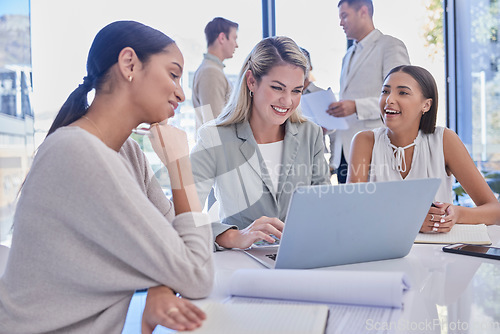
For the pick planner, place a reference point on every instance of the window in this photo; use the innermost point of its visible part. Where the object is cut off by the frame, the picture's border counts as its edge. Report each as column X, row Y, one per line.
column 16, row 115
column 474, row 78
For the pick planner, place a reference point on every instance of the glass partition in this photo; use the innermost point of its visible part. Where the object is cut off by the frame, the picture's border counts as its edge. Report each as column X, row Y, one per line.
column 16, row 113
column 474, row 57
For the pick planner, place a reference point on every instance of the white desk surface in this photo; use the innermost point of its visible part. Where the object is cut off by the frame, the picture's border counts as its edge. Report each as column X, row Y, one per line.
column 450, row 293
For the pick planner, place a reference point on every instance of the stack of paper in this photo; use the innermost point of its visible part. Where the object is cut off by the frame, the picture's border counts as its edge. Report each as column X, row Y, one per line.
column 248, row 318
column 460, row 233
column 294, row 301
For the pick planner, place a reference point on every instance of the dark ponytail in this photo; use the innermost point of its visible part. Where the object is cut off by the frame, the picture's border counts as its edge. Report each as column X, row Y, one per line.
column 75, row 107
column 103, row 54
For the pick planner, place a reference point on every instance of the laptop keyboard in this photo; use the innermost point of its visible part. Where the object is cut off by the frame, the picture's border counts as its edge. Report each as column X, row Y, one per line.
column 264, row 243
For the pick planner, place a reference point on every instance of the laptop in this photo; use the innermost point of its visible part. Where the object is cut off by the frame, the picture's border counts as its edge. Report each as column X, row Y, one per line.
column 350, row 223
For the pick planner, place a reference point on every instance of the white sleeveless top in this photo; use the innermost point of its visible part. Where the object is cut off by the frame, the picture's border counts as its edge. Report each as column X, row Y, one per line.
column 427, row 162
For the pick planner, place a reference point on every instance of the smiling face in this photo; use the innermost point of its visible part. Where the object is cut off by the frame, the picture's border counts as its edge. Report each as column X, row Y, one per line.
column 402, row 103
column 276, row 96
column 158, row 85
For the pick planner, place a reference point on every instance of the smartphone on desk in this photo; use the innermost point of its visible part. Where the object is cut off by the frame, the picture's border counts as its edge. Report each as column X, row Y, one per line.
column 474, row 250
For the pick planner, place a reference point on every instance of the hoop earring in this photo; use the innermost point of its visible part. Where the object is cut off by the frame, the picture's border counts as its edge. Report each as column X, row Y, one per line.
column 130, row 78
column 251, row 94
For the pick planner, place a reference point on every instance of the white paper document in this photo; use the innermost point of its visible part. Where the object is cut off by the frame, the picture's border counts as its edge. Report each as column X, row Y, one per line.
column 460, row 233
column 358, row 319
column 322, row 286
column 341, row 318
column 250, row 318
column 314, row 106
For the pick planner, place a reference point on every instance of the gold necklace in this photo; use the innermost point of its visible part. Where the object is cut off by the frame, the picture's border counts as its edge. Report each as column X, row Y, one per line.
column 95, row 126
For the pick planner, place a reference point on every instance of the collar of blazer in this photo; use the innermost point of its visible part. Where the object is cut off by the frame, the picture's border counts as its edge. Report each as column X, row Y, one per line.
column 363, row 55
column 244, row 131
column 249, row 150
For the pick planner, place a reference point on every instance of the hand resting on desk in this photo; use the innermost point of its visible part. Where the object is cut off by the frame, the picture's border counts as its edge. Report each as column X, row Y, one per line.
column 260, row 229
column 164, row 308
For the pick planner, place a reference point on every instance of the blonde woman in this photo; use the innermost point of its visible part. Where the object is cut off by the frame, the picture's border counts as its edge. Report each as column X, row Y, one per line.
column 260, row 148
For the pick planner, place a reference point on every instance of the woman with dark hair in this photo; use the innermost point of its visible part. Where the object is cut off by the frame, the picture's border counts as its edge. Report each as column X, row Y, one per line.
column 92, row 224
column 413, row 147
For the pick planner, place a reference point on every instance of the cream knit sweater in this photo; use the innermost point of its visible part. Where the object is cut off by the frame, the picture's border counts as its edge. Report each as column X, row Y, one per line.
column 91, row 227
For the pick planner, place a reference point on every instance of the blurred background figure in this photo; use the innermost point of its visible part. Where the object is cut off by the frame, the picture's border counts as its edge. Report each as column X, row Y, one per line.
column 364, row 67
column 211, row 89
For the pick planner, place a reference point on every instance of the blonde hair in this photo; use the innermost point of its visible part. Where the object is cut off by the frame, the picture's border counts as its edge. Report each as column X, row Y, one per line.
column 268, row 53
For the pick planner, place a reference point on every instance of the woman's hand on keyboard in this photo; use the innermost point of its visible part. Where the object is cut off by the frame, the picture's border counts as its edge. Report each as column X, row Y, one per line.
column 260, row 229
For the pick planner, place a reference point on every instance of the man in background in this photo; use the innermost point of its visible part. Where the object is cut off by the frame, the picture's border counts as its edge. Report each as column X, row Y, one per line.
column 211, row 89
column 364, row 67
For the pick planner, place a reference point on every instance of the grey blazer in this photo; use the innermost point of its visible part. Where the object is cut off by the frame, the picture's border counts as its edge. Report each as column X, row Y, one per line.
column 228, row 159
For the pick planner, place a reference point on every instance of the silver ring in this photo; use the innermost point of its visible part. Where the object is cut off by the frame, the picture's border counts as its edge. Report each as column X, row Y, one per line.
column 432, row 217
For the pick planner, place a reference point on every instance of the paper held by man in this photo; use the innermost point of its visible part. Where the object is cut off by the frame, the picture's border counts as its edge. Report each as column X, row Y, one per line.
column 314, row 106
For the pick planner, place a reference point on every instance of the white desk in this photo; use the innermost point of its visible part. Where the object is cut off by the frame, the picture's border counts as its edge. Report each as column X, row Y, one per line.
column 450, row 293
